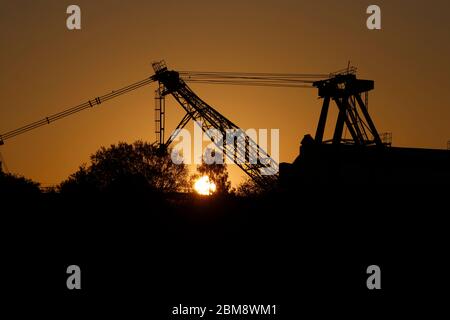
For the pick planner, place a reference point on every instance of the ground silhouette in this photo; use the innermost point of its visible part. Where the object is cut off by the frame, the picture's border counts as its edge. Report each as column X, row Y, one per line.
column 303, row 248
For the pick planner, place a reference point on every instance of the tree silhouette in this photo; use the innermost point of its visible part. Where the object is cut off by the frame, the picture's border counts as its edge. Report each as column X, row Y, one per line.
column 216, row 172
column 137, row 167
column 11, row 183
column 249, row 188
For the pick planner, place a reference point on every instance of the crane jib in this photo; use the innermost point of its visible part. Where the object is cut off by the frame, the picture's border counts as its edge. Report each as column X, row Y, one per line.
column 342, row 87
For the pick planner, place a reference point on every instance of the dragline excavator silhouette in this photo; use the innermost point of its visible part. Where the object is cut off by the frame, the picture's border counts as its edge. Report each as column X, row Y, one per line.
column 342, row 87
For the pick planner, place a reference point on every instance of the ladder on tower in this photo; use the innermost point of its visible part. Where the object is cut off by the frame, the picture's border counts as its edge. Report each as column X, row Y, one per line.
column 160, row 110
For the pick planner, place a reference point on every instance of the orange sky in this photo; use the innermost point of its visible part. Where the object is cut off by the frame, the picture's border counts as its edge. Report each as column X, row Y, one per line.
column 45, row 68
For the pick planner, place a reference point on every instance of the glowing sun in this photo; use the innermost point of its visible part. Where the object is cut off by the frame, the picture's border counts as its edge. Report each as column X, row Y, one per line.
column 204, row 186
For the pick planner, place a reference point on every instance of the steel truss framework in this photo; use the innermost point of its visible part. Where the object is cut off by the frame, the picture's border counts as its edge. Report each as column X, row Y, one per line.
column 231, row 140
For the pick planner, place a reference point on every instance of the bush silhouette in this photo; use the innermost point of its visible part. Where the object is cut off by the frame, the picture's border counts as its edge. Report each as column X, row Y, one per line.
column 11, row 183
column 249, row 188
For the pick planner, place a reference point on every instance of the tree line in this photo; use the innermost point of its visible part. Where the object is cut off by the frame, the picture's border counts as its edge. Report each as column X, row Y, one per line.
column 139, row 167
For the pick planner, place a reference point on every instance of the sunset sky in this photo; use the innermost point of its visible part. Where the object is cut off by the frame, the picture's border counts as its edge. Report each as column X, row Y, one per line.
column 45, row 68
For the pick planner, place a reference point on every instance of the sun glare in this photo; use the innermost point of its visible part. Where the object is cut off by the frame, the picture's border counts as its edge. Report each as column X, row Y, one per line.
column 204, row 186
